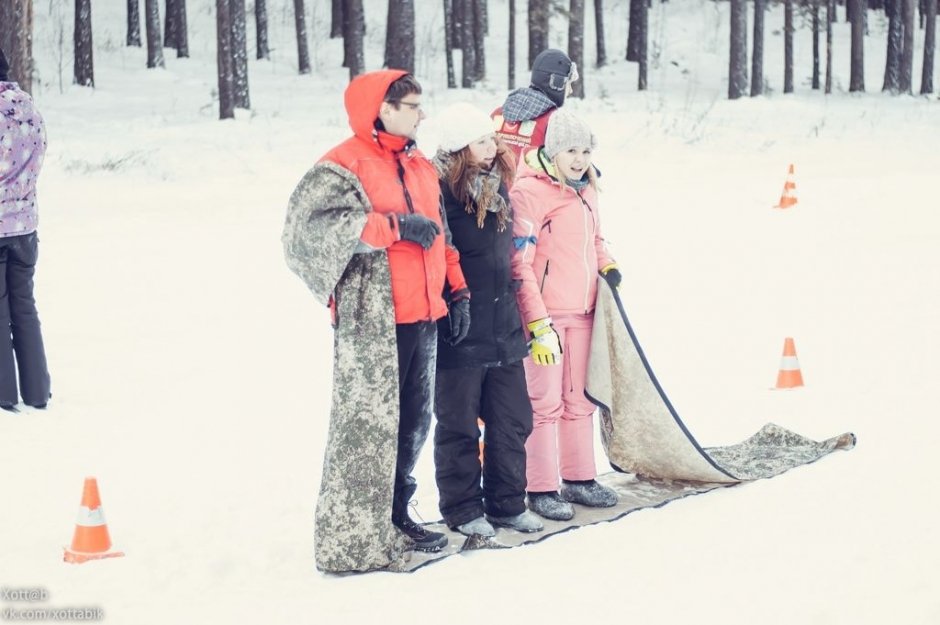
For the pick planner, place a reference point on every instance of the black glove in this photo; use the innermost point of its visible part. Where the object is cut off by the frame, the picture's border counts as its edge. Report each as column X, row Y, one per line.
column 459, row 317
column 418, row 228
column 613, row 276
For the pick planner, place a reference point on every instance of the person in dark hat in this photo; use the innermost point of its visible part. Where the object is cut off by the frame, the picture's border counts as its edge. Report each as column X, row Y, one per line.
column 22, row 148
column 522, row 120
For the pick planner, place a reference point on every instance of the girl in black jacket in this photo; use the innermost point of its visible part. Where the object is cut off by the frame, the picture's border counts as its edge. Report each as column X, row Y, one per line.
column 482, row 375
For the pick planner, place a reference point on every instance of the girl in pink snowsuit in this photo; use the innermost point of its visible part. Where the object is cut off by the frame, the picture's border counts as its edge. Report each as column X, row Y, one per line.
column 559, row 254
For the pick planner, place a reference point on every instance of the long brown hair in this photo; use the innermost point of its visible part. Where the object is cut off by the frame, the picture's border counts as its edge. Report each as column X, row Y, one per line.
column 463, row 170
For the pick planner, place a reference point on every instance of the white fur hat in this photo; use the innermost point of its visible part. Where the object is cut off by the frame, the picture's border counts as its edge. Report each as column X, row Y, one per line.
column 565, row 131
column 461, row 124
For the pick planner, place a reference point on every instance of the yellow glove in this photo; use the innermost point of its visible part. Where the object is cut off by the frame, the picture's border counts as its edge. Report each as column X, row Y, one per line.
column 545, row 348
column 612, row 275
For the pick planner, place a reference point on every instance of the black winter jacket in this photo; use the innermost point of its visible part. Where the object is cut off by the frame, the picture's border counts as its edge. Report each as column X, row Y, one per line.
column 496, row 336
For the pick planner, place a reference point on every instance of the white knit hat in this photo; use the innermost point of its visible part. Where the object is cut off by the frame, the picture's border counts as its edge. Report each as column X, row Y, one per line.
column 565, row 131
column 460, row 125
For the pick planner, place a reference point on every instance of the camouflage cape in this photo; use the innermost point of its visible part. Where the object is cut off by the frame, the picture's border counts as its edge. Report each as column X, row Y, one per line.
column 642, row 433
column 325, row 218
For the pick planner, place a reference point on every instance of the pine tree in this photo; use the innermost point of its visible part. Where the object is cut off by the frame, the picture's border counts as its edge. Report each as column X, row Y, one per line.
column 353, row 31
column 757, row 53
column 737, row 64
column 226, row 69
column 262, row 51
column 599, row 39
column 576, row 42
column 930, row 44
column 152, row 23
column 133, row 23
column 84, row 57
column 857, row 66
column 240, row 53
column 449, row 42
column 539, row 11
column 788, row 46
column 400, row 35
column 300, row 27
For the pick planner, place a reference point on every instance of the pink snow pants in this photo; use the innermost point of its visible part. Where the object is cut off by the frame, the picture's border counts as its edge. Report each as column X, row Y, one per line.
column 562, row 438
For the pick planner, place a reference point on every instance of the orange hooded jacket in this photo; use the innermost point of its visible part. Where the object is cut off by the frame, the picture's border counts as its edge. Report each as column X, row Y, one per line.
column 389, row 168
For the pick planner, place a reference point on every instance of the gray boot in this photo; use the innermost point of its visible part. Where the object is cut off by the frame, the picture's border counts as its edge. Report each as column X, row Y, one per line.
column 477, row 527
column 522, row 522
column 590, row 494
column 551, row 506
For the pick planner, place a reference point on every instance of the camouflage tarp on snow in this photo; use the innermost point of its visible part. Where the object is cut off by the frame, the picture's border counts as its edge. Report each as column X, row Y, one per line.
column 325, row 218
column 643, row 434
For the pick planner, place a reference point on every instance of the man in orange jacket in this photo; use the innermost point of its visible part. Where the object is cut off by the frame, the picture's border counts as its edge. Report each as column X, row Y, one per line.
column 341, row 253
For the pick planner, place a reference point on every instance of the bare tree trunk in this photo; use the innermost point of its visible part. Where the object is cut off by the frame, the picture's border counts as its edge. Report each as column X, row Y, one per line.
column 757, row 54
column 576, row 42
column 895, row 43
column 240, row 53
column 353, row 27
column 336, row 19
column 300, row 26
column 599, row 33
column 226, row 69
column 458, row 11
column 633, row 33
column 857, row 71
column 182, row 30
column 788, row 46
column 263, row 50
column 479, row 39
column 906, row 82
column 815, row 44
column 84, row 57
column 737, row 63
column 169, row 25
column 512, row 45
column 539, row 11
column 400, row 35
column 449, row 43
column 16, row 39
column 643, row 61
column 152, row 23
column 469, row 66
column 930, row 44
column 133, row 23
column 830, row 18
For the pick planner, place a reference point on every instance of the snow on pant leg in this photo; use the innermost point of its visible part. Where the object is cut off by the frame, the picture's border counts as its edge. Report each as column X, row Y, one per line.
column 22, row 253
column 8, row 394
column 507, row 412
column 576, row 427
column 417, row 353
column 544, row 383
column 456, row 444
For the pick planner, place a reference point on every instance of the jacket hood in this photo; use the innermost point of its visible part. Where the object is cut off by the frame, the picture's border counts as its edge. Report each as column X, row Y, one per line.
column 363, row 99
column 526, row 103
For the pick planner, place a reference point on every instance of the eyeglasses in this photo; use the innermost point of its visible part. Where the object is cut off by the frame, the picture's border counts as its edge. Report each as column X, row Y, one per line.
column 414, row 106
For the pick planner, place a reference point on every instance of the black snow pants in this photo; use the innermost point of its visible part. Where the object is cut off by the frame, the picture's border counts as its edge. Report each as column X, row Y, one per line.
column 20, row 331
column 498, row 396
column 417, row 353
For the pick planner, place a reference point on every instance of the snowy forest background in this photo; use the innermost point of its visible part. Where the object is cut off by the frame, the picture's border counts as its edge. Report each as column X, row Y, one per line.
column 191, row 371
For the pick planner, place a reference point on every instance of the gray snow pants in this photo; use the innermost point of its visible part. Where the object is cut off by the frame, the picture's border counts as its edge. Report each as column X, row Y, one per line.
column 20, row 332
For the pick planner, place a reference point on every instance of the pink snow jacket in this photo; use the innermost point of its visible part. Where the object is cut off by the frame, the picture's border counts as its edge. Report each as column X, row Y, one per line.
column 22, row 148
column 558, row 242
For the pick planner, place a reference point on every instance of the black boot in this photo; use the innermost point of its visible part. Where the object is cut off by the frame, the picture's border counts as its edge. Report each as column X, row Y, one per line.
column 424, row 540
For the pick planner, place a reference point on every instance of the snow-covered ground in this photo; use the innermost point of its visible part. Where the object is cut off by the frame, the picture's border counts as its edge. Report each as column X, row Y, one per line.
column 191, row 370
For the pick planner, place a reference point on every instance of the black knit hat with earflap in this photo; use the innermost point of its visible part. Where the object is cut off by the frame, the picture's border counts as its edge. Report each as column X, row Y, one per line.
column 4, row 67
column 551, row 71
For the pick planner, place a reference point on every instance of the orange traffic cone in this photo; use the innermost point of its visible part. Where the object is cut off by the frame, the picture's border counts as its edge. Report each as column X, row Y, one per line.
column 788, row 197
column 789, row 376
column 91, row 540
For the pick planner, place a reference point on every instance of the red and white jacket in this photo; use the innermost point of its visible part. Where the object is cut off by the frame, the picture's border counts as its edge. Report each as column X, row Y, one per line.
column 557, row 236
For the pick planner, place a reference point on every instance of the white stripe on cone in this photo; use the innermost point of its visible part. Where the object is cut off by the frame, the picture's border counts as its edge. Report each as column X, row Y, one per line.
column 789, row 363
column 90, row 518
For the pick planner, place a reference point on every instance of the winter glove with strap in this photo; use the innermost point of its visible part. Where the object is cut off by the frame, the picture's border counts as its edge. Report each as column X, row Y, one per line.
column 459, row 316
column 545, row 348
column 418, row 229
column 612, row 275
